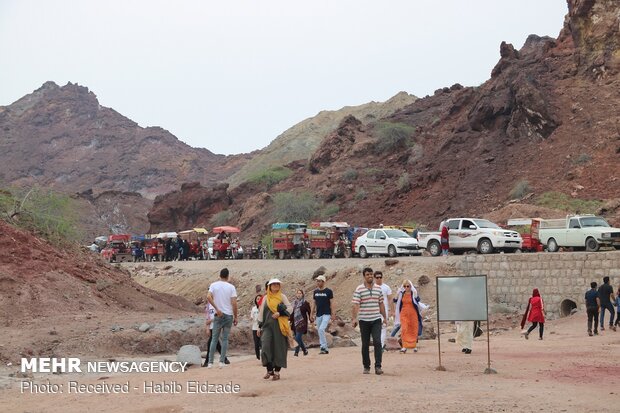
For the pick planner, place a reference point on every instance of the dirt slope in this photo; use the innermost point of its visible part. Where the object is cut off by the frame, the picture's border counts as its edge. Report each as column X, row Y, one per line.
column 48, row 288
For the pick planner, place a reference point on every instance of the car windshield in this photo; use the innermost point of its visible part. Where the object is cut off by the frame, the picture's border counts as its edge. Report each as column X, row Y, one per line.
column 594, row 222
column 396, row 233
column 483, row 223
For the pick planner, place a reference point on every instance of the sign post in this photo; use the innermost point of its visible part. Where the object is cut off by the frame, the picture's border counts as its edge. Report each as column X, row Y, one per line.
column 463, row 299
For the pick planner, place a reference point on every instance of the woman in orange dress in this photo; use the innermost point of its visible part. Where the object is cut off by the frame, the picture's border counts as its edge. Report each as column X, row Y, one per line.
column 408, row 309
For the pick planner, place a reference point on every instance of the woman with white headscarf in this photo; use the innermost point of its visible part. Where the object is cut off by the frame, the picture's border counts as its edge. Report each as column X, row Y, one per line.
column 408, row 315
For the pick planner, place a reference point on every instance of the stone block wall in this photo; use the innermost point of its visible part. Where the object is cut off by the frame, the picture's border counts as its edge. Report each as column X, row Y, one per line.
column 562, row 277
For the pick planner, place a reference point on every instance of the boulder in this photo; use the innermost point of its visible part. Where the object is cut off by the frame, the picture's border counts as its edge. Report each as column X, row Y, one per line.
column 319, row 271
column 423, row 280
column 144, row 327
column 189, row 354
column 391, row 261
column 391, row 343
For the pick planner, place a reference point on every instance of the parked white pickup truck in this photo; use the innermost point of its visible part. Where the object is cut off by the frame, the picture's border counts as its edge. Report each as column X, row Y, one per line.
column 587, row 232
column 471, row 234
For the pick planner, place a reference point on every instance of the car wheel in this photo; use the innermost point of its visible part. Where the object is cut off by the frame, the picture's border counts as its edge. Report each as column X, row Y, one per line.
column 552, row 245
column 434, row 248
column 392, row 251
column 485, row 246
column 592, row 245
column 363, row 252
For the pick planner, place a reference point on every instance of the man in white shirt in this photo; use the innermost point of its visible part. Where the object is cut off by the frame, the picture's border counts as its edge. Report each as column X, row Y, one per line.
column 388, row 304
column 223, row 297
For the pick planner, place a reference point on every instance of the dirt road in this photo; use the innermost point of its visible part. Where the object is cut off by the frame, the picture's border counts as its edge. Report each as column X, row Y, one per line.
column 566, row 372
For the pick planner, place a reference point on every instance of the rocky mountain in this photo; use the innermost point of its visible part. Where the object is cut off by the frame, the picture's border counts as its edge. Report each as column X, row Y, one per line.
column 300, row 141
column 61, row 137
column 544, row 129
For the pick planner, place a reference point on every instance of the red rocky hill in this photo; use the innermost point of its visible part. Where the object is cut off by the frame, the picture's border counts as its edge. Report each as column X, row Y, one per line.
column 63, row 138
column 547, row 119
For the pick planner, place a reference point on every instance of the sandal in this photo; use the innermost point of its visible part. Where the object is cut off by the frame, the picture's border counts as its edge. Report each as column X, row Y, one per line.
column 268, row 375
column 276, row 376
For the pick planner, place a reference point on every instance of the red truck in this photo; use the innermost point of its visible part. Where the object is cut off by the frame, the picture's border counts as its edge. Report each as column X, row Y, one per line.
column 117, row 248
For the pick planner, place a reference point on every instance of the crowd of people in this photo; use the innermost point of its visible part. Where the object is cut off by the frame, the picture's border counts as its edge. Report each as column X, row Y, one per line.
column 279, row 324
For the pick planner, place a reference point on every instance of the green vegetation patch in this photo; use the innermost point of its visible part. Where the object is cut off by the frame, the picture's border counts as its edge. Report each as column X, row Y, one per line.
column 392, row 136
column 558, row 200
column 270, row 176
column 295, row 207
column 221, row 218
column 48, row 214
column 520, row 189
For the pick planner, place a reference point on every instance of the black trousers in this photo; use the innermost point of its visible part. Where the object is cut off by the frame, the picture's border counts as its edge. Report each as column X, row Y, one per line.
column 218, row 348
column 542, row 328
column 592, row 318
column 256, row 343
column 368, row 329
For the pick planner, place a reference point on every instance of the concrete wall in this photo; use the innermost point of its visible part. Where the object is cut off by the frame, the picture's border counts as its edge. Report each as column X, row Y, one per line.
column 559, row 276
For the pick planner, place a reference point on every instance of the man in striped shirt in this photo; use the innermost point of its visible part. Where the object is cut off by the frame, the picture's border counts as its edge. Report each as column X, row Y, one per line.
column 368, row 309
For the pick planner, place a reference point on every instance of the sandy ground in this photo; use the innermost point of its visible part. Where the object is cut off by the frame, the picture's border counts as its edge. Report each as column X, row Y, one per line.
column 566, row 372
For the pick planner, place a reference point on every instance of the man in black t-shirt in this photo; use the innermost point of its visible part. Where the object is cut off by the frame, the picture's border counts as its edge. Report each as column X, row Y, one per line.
column 606, row 295
column 322, row 310
column 592, row 305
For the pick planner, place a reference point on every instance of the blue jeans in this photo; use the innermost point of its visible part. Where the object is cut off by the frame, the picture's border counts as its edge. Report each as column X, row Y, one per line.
column 222, row 324
column 300, row 342
column 610, row 308
column 395, row 331
column 321, row 326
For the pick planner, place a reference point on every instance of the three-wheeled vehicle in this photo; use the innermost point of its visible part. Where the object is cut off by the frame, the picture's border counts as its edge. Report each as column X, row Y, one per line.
column 336, row 243
column 117, row 249
column 223, row 243
column 153, row 248
column 195, row 237
column 528, row 228
column 288, row 240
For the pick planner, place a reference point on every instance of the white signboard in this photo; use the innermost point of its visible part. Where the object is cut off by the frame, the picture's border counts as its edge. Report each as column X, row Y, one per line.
column 462, row 298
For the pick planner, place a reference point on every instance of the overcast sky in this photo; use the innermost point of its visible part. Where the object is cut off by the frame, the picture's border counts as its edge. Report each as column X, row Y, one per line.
column 231, row 75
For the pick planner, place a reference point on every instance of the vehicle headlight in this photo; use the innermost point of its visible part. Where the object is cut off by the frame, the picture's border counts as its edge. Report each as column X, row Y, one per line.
column 606, row 235
column 498, row 233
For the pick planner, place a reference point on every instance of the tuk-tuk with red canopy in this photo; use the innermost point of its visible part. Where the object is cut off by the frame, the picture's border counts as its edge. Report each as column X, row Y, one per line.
column 223, row 245
column 117, row 249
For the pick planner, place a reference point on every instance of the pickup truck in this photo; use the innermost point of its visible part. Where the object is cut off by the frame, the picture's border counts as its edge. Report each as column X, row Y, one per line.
column 471, row 234
column 587, row 232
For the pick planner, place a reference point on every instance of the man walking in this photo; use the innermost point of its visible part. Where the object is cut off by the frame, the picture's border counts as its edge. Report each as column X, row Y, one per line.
column 223, row 297
column 369, row 311
column 387, row 303
column 593, row 303
column 606, row 295
column 322, row 310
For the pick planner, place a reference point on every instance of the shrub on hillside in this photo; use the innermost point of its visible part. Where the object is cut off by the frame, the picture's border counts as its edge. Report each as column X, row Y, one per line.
column 221, row 218
column 270, row 177
column 295, row 207
column 521, row 189
column 392, row 136
column 50, row 215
